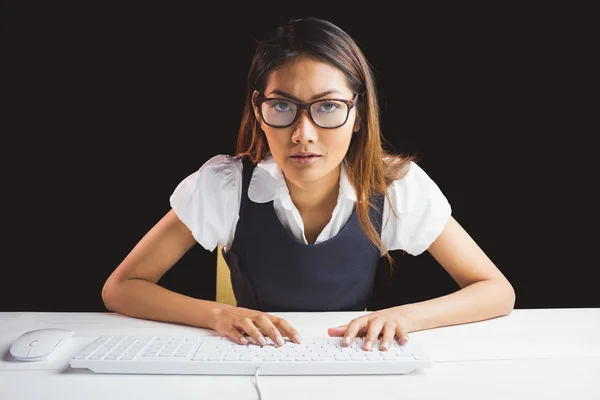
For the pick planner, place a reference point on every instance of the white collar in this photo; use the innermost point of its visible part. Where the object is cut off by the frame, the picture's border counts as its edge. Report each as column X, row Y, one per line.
column 268, row 183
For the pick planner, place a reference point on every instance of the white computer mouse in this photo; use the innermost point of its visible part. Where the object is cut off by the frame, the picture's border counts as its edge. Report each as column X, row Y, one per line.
column 37, row 345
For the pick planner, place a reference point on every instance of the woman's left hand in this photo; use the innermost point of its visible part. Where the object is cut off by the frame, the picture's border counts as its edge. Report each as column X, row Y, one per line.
column 389, row 322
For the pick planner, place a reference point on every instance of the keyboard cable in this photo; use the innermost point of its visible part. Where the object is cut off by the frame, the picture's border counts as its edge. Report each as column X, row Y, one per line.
column 256, row 384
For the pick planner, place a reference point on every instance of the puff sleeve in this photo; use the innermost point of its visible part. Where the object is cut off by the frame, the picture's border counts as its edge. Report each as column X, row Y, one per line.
column 422, row 210
column 208, row 200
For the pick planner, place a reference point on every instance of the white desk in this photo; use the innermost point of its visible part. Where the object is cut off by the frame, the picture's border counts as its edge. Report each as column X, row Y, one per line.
column 530, row 354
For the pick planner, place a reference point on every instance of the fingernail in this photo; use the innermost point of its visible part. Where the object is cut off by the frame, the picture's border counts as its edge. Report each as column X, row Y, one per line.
column 297, row 338
column 243, row 340
column 405, row 338
column 368, row 345
column 262, row 341
column 279, row 341
column 346, row 341
column 384, row 346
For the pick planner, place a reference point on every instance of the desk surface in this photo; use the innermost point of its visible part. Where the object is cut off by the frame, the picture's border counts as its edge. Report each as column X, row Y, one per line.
column 547, row 353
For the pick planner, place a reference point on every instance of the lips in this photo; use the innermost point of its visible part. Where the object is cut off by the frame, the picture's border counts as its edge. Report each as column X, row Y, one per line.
column 304, row 155
column 305, row 158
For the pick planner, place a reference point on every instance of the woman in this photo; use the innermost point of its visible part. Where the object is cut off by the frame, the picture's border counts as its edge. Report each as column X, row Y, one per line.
column 306, row 209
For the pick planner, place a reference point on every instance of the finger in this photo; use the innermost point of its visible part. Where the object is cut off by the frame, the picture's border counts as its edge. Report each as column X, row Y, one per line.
column 260, row 330
column 270, row 329
column 246, row 325
column 339, row 331
column 354, row 327
column 402, row 335
column 374, row 329
column 389, row 330
column 286, row 329
column 236, row 336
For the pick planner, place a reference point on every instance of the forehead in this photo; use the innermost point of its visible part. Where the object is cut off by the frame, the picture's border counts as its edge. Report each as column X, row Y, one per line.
column 304, row 77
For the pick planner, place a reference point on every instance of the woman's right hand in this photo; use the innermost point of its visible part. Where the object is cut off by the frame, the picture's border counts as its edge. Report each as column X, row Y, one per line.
column 237, row 322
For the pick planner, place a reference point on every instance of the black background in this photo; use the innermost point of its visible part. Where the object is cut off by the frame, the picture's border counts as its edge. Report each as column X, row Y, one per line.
column 106, row 108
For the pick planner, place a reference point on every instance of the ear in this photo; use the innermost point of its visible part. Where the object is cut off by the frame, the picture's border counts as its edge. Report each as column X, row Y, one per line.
column 256, row 113
column 356, row 127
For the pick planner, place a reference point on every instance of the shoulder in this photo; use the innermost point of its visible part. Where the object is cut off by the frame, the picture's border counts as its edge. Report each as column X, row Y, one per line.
column 218, row 177
column 222, row 166
column 414, row 189
column 420, row 212
column 220, row 169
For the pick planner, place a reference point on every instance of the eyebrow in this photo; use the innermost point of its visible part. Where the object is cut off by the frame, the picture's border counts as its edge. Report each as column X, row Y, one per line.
column 316, row 96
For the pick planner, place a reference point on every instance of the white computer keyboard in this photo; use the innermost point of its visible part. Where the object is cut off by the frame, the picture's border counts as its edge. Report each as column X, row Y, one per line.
column 213, row 355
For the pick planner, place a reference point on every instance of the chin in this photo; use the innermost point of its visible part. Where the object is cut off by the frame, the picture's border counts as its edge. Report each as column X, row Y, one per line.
column 306, row 174
column 299, row 175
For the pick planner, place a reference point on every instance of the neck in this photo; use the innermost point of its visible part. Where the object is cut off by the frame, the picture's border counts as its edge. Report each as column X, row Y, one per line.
column 313, row 195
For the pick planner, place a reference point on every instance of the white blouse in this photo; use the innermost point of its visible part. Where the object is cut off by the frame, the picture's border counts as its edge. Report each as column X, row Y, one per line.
column 208, row 202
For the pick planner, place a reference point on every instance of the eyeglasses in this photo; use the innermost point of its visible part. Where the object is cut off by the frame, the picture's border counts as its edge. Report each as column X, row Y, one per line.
column 325, row 113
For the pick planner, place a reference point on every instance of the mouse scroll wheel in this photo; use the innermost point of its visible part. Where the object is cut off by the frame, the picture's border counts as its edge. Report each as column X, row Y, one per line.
column 33, row 343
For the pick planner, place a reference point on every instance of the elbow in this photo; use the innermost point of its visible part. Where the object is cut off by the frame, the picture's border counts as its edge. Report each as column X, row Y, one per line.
column 509, row 297
column 108, row 295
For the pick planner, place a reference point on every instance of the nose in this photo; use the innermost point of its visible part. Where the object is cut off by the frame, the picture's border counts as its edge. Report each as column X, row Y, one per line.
column 305, row 131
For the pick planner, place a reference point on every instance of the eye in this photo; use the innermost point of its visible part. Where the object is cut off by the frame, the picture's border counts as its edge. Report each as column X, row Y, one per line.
column 328, row 107
column 281, row 106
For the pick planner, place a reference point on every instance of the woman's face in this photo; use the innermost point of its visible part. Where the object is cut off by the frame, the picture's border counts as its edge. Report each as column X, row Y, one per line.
column 305, row 80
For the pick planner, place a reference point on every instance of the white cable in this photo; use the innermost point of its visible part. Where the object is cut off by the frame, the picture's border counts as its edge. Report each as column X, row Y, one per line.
column 256, row 384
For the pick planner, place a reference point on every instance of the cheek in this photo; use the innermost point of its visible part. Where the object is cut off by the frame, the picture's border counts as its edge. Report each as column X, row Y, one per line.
column 338, row 144
column 275, row 142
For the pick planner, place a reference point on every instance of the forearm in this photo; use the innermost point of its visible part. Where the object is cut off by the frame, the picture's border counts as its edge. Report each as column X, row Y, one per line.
column 142, row 299
column 476, row 302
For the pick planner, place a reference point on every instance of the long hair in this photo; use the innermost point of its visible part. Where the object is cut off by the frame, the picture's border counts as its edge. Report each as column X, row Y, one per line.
column 371, row 168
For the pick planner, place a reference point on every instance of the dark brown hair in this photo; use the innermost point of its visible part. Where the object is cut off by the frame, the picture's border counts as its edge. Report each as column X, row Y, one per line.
column 371, row 168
